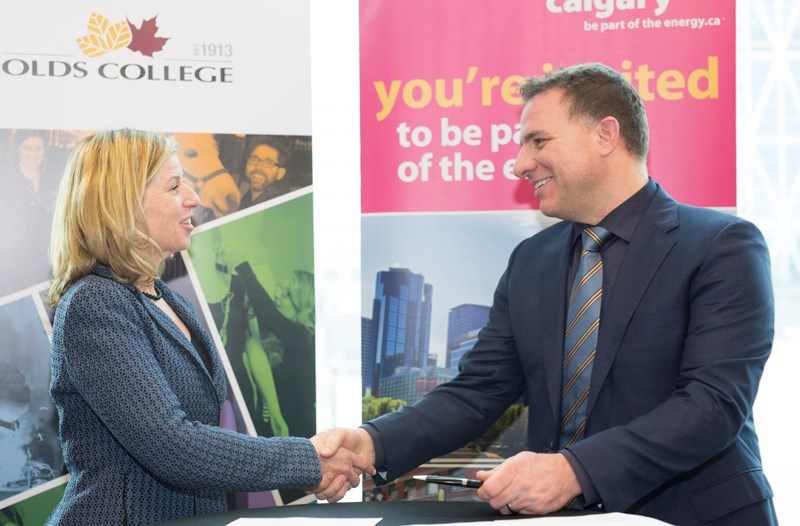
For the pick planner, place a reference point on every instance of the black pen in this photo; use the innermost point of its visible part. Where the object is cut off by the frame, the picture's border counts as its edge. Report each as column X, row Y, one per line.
column 449, row 481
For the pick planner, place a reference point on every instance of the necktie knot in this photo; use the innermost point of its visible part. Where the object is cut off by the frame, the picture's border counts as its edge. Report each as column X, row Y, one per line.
column 595, row 237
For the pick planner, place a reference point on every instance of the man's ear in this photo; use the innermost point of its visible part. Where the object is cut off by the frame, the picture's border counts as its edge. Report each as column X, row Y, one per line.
column 281, row 172
column 608, row 135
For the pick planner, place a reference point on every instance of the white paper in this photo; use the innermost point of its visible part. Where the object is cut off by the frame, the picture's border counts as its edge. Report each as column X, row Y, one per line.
column 304, row 521
column 597, row 519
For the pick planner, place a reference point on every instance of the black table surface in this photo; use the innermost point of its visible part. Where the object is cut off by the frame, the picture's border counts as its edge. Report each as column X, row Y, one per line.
column 393, row 513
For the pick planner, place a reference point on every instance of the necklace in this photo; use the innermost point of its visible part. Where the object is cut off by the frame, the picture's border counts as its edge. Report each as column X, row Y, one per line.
column 155, row 297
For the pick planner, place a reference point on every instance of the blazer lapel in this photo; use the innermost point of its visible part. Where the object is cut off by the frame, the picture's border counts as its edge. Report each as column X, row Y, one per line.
column 180, row 340
column 552, row 310
column 217, row 371
column 651, row 243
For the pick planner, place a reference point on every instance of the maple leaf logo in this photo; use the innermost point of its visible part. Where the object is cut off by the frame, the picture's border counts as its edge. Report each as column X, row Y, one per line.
column 144, row 39
column 102, row 36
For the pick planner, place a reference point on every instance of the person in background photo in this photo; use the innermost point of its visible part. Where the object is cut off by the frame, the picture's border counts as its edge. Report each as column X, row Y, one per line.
column 252, row 356
column 644, row 407
column 137, row 381
column 266, row 172
column 29, row 181
column 35, row 184
column 284, row 326
column 270, row 341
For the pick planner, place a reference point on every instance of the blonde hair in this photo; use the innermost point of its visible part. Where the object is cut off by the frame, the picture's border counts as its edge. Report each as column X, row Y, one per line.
column 98, row 212
column 300, row 286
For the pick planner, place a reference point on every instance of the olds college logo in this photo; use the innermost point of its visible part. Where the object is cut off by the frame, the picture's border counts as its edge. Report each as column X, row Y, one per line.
column 106, row 41
column 103, row 36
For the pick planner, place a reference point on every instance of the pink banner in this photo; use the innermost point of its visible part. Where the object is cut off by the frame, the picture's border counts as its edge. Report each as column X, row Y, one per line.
column 440, row 113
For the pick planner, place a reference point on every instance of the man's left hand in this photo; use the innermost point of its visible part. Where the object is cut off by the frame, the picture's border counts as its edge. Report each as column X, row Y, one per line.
column 530, row 483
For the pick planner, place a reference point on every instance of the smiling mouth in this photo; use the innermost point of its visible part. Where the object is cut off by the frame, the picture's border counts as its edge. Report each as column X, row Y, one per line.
column 541, row 183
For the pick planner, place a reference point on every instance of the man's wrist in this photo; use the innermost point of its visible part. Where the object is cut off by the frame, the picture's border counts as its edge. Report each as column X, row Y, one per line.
column 379, row 455
column 583, row 482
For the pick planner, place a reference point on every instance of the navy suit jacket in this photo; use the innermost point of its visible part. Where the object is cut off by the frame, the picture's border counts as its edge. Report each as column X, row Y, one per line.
column 684, row 337
column 139, row 414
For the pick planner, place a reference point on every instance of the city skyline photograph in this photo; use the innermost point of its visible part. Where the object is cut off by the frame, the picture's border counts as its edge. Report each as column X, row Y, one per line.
column 461, row 256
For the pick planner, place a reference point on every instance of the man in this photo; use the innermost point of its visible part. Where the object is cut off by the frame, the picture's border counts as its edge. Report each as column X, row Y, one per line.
column 266, row 172
column 686, row 326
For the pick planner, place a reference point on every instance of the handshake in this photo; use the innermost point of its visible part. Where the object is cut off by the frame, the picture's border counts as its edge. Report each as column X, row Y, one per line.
column 528, row 482
column 344, row 454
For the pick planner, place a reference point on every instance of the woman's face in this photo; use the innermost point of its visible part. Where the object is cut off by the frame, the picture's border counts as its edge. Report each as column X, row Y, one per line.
column 31, row 153
column 168, row 204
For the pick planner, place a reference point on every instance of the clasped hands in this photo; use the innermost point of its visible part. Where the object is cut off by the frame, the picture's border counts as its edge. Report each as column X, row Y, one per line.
column 530, row 483
column 344, row 454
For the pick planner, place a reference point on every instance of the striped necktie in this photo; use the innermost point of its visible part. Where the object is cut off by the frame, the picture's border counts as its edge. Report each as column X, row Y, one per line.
column 580, row 341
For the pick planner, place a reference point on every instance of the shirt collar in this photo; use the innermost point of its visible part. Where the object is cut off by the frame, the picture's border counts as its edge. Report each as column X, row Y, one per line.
column 623, row 220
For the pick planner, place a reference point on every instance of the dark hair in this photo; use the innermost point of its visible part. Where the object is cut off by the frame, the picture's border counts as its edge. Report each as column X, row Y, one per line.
column 21, row 136
column 277, row 142
column 596, row 91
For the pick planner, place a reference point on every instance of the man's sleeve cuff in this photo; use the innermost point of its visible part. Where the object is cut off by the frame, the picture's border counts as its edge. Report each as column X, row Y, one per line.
column 590, row 495
column 380, row 456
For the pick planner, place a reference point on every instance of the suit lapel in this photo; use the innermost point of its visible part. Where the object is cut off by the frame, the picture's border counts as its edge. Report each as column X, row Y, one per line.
column 555, row 257
column 651, row 243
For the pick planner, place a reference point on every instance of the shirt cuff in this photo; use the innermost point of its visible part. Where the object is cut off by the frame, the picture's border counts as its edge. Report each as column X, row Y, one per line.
column 589, row 492
column 380, row 456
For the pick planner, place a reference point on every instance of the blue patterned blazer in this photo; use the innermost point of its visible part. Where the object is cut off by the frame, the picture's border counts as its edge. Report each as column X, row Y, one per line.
column 139, row 414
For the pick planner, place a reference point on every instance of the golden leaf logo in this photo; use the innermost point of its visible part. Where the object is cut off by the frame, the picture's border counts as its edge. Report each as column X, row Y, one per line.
column 103, row 36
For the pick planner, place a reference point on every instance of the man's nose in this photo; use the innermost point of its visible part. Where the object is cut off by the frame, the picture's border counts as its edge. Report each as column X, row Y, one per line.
column 525, row 164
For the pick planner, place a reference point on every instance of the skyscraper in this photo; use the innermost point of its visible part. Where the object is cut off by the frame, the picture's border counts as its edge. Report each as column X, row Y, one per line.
column 401, row 319
column 463, row 324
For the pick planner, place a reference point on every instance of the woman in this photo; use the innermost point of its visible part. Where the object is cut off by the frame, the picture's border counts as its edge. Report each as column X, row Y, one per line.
column 277, row 341
column 29, row 184
column 289, row 323
column 30, row 147
column 241, row 336
column 137, row 381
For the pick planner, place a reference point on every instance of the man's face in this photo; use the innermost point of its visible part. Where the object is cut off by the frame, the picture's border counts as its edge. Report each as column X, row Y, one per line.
column 263, row 168
column 558, row 155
